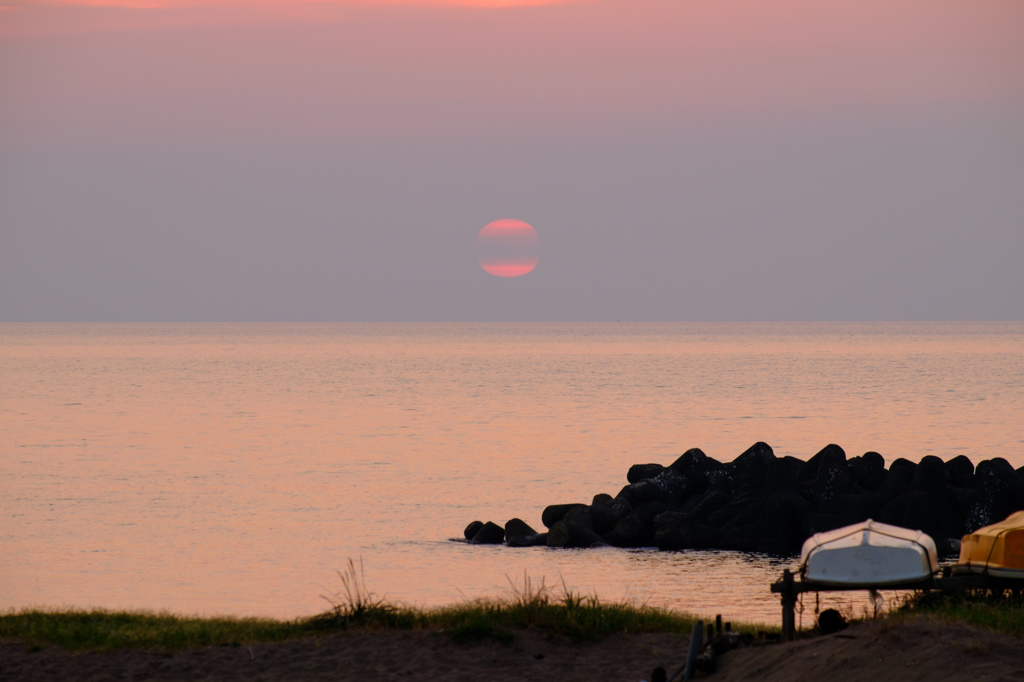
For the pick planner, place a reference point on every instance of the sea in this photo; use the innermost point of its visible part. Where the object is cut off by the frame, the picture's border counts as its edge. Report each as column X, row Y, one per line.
column 235, row 469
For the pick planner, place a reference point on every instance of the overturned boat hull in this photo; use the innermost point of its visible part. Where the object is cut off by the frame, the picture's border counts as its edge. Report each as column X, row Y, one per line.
column 869, row 554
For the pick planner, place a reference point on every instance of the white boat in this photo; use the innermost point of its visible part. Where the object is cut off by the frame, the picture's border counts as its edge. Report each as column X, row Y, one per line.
column 869, row 554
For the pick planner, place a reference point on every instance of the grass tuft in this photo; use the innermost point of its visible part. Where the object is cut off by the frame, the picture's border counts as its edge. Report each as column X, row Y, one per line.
column 999, row 611
column 357, row 606
column 579, row 617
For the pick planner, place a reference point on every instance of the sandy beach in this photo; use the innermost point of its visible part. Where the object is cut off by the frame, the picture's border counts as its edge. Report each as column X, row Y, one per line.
column 921, row 649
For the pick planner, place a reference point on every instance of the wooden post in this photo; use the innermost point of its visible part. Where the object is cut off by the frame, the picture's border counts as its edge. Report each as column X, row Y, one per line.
column 696, row 639
column 718, row 624
column 788, row 606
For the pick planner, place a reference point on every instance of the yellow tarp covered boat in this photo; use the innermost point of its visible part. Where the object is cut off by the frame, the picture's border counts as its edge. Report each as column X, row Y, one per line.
column 997, row 549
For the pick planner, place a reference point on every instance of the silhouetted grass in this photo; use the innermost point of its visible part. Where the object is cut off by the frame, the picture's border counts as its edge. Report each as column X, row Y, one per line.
column 357, row 606
column 529, row 605
column 999, row 611
column 100, row 629
column 573, row 615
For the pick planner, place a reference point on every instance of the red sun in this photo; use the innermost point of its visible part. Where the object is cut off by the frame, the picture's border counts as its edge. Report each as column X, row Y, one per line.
column 508, row 248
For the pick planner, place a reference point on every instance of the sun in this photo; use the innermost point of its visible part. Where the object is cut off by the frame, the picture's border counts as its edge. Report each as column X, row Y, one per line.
column 508, row 248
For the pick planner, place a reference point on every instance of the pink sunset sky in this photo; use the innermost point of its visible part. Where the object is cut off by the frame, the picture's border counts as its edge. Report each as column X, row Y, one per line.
column 658, row 145
column 421, row 68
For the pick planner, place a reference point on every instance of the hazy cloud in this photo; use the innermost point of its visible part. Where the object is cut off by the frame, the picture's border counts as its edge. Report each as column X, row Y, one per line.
column 726, row 159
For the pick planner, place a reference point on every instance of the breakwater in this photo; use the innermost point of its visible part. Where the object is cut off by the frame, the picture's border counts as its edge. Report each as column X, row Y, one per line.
column 763, row 503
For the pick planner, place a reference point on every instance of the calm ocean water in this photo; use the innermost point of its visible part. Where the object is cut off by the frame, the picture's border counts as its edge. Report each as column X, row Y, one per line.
column 232, row 468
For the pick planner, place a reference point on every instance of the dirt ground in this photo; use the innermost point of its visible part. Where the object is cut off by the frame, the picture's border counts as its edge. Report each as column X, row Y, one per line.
column 923, row 649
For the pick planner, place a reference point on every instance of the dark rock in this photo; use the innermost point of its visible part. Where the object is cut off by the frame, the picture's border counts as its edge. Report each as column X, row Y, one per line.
column 604, row 517
column 1019, row 492
column 809, row 471
column 980, row 510
column 691, row 459
column 708, row 505
column 817, row 522
column 824, row 477
column 472, row 528
column 717, row 476
column 691, row 503
column 961, row 499
column 580, row 516
column 930, row 476
column 630, row 531
column 933, row 514
column 555, row 513
column 749, row 538
column 641, row 472
column 644, row 491
column 560, row 535
column 518, row 527
column 668, row 518
column 824, row 498
column 918, row 514
column 997, row 466
column 757, row 454
column 668, row 487
column 564, row 534
column 601, row 499
column 949, row 520
column 861, row 508
column 968, row 481
column 646, row 512
column 868, row 470
column 958, row 467
column 726, row 514
column 791, row 502
column 751, row 483
column 832, row 470
column 749, row 513
column 777, row 524
column 670, row 536
column 535, row 540
column 995, row 495
column 489, row 534
column 678, row 488
column 892, row 512
column 688, row 536
column 783, row 475
column 897, row 481
column 667, row 526
column 701, row 536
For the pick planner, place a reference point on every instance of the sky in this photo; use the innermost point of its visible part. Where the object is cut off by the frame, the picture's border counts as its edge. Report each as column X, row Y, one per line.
column 692, row 160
